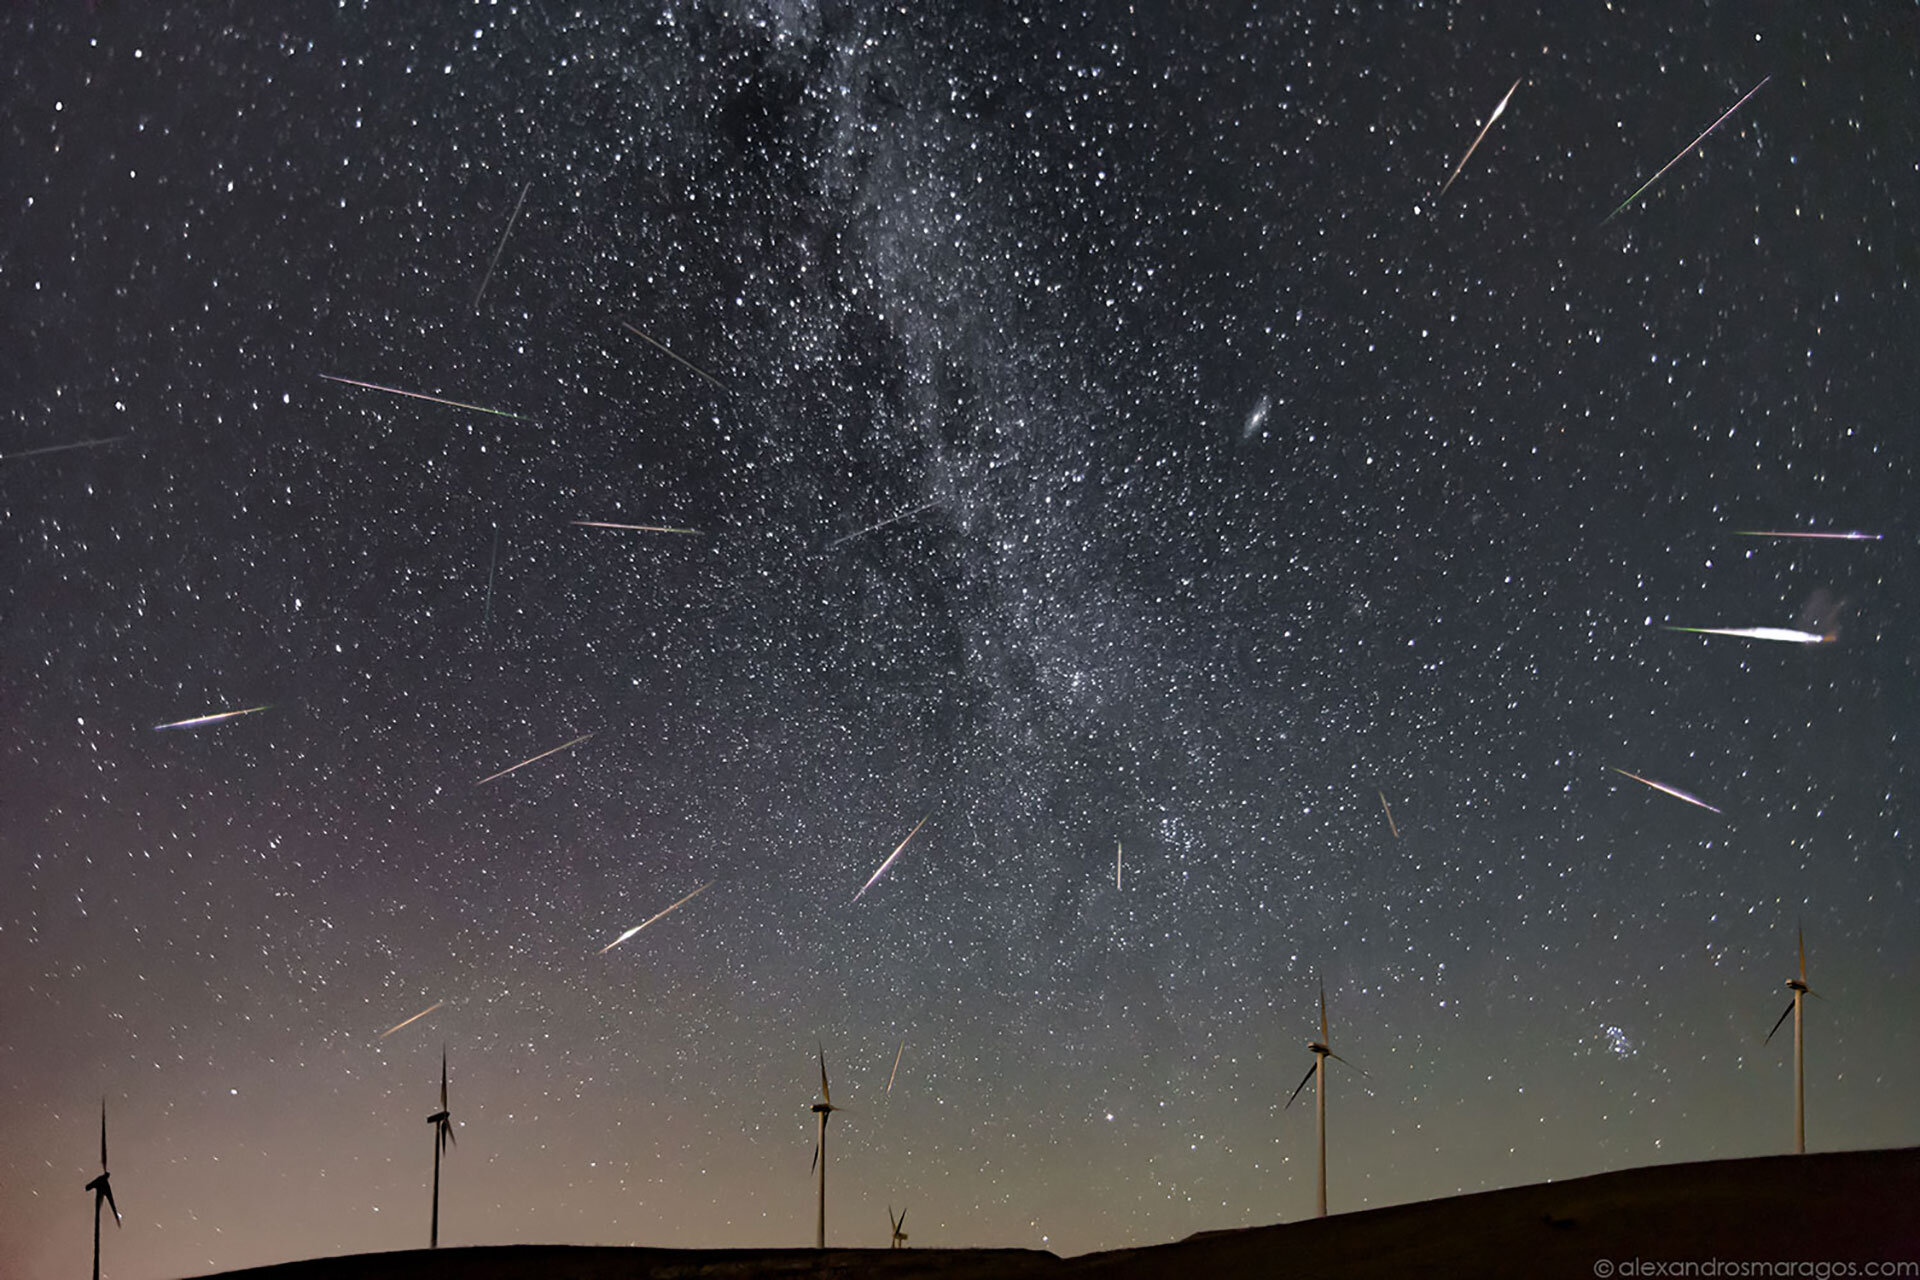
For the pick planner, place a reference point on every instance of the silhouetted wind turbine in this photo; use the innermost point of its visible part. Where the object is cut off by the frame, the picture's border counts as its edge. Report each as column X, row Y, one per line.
column 899, row 1236
column 102, row 1190
column 442, row 1122
column 1799, row 988
column 1322, row 1050
column 823, row 1109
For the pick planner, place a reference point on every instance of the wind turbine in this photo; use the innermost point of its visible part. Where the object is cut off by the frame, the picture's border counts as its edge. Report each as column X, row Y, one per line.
column 823, row 1109
column 1799, row 988
column 899, row 1236
column 1322, row 1050
column 102, row 1190
column 442, row 1122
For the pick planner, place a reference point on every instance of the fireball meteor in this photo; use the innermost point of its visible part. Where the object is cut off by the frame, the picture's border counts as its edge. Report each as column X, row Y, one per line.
column 1785, row 635
column 1477, row 140
column 1675, row 792
column 890, row 857
column 215, row 718
column 656, row 916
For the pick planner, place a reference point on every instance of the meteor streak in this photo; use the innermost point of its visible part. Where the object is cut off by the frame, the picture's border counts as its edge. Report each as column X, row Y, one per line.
column 890, row 857
column 896, row 1065
column 1683, row 151
column 658, row 915
column 1117, row 850
column 1675, row 792
column 60, row 448
column 215, row 718
column 638, row 528
column 892, row 519
column 1849, row 536
column 1476, row 142
column 1389, row 809
column 542, row 756
column 410, row 1021
column 421, row 395
column 495, row 260
column 673, row 355
column 1786, row 635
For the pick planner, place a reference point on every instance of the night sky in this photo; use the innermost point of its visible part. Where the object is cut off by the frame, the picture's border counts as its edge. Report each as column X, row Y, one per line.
column 1101, row 439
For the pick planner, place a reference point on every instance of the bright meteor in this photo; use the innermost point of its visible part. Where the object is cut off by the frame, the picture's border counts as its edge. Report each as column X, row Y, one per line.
column 524, row 763
column 1476, row 142
column 896, row 1065
column 669, row 911
column 1675, row 792
column 1785, row 635
column 1683, row 151
column 215, row 718
column 410, row 1021
column 890, row 857
column 1849, row 536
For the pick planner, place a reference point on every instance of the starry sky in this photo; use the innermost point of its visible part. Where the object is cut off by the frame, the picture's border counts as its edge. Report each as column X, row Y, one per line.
column 1098, row 441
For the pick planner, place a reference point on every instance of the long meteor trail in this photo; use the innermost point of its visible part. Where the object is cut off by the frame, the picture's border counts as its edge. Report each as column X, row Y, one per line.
column 890, row 857
column 1389, row 809
column 60, row 448
column 656, row 916
column 1683, row 151
column 638, row 528
column 1675, row 792
column 896, row 1065
column 215, row 718
column 895, row 518
column 410, row 1021
column 542, row 756
column 1785, row 635
column 1848, row 536
column 672, row 354
column 499, row 248
column 1476, row 142
column 421, row 395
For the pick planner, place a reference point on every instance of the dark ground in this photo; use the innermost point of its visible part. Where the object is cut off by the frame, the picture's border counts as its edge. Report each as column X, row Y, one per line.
column 1836, row 1212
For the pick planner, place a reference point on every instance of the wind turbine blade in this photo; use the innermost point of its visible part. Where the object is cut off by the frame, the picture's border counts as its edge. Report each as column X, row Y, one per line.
column 816, row 1158
column 824, row 1095
column 903, row 1220
column 1776, row 1025
column 1803, row 954
column 103, row 1135
column 1303, row 1084
column 1323, row 1015
column 1337, row 1058
column 451, row 1140
column 443, row 1077
column 108, row 1192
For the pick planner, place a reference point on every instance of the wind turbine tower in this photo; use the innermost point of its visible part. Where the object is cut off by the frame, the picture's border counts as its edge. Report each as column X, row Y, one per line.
column 1322, row 1050
column 1799, row 988
column 102, row 1191
column 442, row 1122
column 823, row 1109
